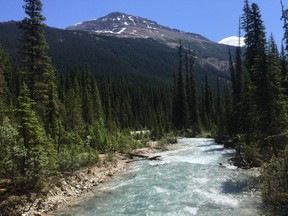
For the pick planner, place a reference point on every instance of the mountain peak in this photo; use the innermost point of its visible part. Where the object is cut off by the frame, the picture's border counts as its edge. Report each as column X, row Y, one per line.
column 112, row 23
column 124, row 25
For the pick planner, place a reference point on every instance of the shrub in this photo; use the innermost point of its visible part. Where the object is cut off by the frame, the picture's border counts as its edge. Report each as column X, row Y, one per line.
column 275, row 180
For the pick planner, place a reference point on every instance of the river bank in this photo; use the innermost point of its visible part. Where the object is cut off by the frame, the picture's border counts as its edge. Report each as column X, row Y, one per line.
column 74, row 186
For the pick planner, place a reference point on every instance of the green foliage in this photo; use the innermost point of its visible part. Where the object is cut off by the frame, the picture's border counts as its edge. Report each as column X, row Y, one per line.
column 4, row 91
column 74, row 153
column 109, row 156
column 192, row 97
column 251, row 154
column 275, row 180
column 36, row 68
column 168, row 138
column 262, row 107
column 125, row 143
column 11, row 151
column 40, row 160
column 180, row 107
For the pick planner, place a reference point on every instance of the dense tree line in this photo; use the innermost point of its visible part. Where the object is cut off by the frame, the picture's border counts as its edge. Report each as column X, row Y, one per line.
column 53, row 122
column 260, row 105
column 199, row 110
column 252, row 112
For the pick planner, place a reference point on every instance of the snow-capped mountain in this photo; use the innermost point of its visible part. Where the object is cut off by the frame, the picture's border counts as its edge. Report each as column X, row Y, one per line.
column 123, row 25
column 233, row 41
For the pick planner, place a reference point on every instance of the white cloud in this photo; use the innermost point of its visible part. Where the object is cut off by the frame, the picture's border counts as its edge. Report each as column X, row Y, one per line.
column 232, row 41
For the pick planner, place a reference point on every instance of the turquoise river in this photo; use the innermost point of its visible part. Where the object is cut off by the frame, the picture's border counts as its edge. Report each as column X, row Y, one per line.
column 192, row 179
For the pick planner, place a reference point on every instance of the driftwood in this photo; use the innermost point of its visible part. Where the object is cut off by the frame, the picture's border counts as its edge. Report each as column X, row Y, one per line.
column 157, row 157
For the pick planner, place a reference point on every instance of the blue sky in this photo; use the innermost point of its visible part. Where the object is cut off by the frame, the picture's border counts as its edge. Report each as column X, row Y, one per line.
column 214, row 19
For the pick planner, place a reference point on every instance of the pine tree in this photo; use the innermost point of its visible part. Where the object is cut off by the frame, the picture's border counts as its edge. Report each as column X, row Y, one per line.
column 180, row 113
column 285, row 26
column 87, row 108
column 284, row 71
column 73, row 109
column 228, row 107
column 238, row 70
column 37, row 70
column 3, row 85
column 256, row 65
column 262, row 78
column 187, row 86
column 247, row 107
column 249, row 43
column 40, row 158
column 233, row 78
column 192, row 97
column 219, row 111
column 97, row 103
column 53, row 123
column 235, row 99
column 275, row 103
column 11, row 151
column 283, row 64
column 208, row 104
column 236, row 74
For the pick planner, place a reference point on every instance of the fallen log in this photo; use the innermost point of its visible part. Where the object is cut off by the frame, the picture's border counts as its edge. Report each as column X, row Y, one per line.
column 137, row 155
column 157, row 157
column 132, row 155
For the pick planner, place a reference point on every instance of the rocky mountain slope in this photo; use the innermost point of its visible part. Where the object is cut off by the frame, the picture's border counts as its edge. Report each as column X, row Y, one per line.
column 128, row 26
column 122, row 25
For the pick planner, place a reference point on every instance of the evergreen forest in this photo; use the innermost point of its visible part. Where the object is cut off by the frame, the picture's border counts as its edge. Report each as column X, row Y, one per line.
column 56, row 118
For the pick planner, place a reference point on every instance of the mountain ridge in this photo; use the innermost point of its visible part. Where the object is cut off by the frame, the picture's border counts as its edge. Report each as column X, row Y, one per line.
column 124, row 25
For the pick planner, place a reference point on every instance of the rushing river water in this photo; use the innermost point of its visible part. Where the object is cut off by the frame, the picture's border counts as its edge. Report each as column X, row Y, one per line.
column 187, row 181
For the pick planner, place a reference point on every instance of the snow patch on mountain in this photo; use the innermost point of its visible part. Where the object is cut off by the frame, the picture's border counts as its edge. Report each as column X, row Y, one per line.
column 122, row 30
column 233, row 41
column 79, row 23
column 130, row 18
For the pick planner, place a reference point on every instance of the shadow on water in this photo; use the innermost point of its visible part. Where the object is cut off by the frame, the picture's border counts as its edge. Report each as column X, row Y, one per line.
column 206, row 145
column 240, row 185
column 234, row 187
column 228, row 154
column 215, row 150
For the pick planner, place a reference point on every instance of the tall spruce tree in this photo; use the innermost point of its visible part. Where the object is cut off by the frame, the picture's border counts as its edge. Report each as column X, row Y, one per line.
column 255, row 62
column 219, row 111
column 37, row 70
column 208, row 105
column 284, row 51
column 275, row 103
column 247, row 107
column 233, row 77
column 180, row 109
column 235, row 96
column 192, row 97
column 40, row 157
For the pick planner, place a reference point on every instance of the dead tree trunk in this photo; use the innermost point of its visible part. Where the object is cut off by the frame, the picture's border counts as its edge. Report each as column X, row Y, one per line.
column 145, row 157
